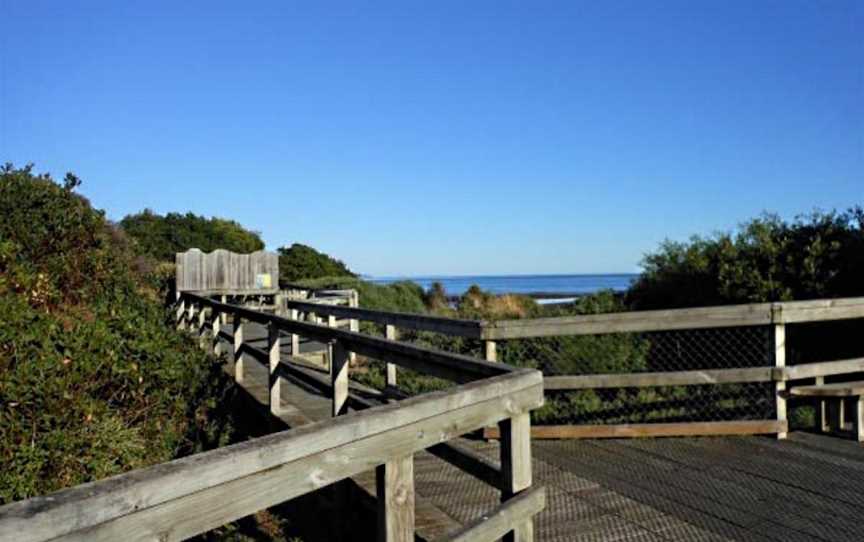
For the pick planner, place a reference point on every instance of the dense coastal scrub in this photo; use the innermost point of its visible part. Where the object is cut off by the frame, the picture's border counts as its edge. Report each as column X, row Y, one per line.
column 161, row 237
column 304, row 262
column 818, row 255
column 93, row 380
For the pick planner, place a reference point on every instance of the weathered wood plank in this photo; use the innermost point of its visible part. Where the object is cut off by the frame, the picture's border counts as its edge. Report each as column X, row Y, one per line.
column 671, row 378
column 201, row 511
column 823, row 368
column 516, row 469
column 449, row 366
column 780, row 363
column 196, row 493
column 395, row 490
column 339, row 378
column 497, row 523
column 836, row 389
column 683, row 429
column 449, row 326
column 391, row 334
column 225, row 271
column 629, row 322
column 696, row 318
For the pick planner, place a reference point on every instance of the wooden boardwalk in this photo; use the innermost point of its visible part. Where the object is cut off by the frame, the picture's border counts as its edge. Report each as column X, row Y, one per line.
column 714, row 488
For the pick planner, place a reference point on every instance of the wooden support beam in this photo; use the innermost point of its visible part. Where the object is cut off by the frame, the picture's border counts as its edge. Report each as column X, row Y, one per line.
column 395, row 488
column 491, row 351
column 683, row 429
column 670, row 378
column 238, row 348
column 202, row 328
column 779, row 363
column 392, row 335
column 273, row 352
column 339, row 378
column 859, row 419
column 181, row 314
column 497, row 523
column 216, row 322
column 515, row 436
column 295, row 339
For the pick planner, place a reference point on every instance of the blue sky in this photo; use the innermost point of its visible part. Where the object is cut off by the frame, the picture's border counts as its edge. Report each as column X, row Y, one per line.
column 445, row 137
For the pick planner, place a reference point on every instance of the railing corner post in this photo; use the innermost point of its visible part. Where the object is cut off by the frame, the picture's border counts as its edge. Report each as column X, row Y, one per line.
column 394, row 483
column 238, row 348
column 391, row 335
column 515, row 445
column 780, row 386
column 339, row 377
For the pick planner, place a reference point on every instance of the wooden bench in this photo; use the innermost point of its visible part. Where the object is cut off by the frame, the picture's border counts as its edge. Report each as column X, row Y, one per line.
column 834, row 395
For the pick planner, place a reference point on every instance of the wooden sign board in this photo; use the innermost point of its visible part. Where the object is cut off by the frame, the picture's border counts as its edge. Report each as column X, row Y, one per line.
column 222, row 271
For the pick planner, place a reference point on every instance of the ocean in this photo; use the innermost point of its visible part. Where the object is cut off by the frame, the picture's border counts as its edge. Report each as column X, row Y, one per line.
column 559, row 286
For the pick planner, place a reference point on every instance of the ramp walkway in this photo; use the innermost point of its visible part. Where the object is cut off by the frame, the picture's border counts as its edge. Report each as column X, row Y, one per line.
column 809, row 487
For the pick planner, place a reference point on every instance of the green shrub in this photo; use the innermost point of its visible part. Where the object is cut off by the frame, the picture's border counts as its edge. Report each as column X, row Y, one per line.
column 303, row 262
column 93, row 380
column 766, row 259
column 161, row 237
column 402, row 296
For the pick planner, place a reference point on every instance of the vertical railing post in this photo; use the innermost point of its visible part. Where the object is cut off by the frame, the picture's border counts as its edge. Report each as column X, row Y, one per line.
column 395, row 488
column 181, row 314
column 224, row 314
column 202, row 329
column 339, row 377
column 273, row 350
column 238, row 348
column 391, row 335
column 295, row 339
column 216, row 319
column 190, row 316
column 780, row 362
column 516, row 468
column 491, row 351
column 353, row 323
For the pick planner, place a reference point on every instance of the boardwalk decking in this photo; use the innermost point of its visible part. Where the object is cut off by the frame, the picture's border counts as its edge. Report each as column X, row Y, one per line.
column 714, row 488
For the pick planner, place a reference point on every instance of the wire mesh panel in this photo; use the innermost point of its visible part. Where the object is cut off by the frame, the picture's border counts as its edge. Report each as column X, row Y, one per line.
column 657, row 351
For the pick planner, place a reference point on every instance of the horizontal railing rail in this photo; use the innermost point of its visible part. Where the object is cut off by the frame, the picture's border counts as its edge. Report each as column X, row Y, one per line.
column 192, row 495
column 773, row 317
column 754, row 314
column 419, row 322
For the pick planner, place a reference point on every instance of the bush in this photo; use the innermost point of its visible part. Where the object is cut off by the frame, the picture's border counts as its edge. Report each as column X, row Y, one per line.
column 303, row 262
column 93, row 381
column 402, row 296
column 767, row 259
column 161, row 237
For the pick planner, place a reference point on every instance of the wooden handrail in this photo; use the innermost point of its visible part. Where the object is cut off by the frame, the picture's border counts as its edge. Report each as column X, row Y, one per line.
column 189, row 496
column 183, row 498
column 420, row 322
column 754, row 314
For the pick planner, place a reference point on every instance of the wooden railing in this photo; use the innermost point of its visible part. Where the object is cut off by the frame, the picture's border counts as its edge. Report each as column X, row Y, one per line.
column 192, row 495
column 776, row 315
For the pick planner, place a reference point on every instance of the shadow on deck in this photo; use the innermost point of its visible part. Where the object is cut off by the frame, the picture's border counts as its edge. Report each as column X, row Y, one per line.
column 808, row 487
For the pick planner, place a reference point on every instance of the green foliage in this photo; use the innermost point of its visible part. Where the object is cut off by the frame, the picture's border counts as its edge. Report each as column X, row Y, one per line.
column 161, row 237
column 402, row 296
column 767, row 259
column 93, row 382
column 303, row 262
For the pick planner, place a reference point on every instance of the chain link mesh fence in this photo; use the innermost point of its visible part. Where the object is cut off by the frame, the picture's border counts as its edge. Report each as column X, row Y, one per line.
column 657, row 351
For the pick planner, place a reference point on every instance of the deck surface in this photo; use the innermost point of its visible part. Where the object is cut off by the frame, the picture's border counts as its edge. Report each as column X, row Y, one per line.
column 809, row 487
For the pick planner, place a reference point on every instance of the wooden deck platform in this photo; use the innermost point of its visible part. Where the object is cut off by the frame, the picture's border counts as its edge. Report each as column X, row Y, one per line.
column 808, row 487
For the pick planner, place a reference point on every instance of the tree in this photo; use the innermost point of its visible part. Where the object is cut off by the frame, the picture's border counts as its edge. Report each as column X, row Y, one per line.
column 299, row 262
column 766, row 259
column 161, row 237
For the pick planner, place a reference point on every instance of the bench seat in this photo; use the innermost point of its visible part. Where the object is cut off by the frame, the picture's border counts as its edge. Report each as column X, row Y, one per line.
column 837, row 389
column 835, row 394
